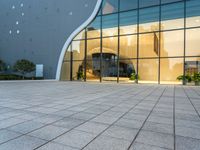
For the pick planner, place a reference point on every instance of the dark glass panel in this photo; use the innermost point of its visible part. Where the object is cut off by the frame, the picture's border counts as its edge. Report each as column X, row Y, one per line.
column 128, row 4
column 147, row 3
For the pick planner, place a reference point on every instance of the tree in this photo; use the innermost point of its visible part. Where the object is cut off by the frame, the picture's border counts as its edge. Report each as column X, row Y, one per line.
column 24, row 66
column 2, row 66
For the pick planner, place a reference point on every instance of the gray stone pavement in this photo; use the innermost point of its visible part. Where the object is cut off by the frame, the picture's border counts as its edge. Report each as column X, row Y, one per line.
column 49, row 115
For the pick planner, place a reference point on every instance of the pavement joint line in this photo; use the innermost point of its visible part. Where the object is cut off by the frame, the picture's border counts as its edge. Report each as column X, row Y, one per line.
column 174, row 117
column 139, row 91
column 146, row 120
column 191, row 103
column 118, row 119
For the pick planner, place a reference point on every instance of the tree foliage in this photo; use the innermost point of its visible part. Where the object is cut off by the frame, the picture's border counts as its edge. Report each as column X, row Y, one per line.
column 24, row 66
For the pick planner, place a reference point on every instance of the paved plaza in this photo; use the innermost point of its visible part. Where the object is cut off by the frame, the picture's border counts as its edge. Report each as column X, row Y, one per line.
column 50, row 115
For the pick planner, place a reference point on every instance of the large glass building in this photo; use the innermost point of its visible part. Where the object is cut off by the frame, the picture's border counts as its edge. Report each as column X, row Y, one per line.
column 156, row 40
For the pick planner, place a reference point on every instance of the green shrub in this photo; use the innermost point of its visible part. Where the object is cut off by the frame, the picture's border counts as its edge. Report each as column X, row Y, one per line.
column 2, row 66
column 24, row 66
column 186, row 78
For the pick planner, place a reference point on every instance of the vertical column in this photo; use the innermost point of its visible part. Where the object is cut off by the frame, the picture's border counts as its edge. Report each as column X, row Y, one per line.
column 137, row 78
column 118, row 44
column 159, row 42
column 184, row 80
column 71, row 62
column 101, row 42
column 85, row 60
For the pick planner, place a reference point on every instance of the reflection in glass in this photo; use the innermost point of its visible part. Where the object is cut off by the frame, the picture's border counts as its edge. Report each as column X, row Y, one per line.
column 93, row 69
column 128, row 47
column 65, row 72
column 81, row 35
column 109, row 59
column 110, row 25
column 149, row 45
column 110, row 6
column 93, row 30
column 127, row 70
column 78, row 49
column 78, row 70
column 192, row 65
column 148, row 71
column 169, row 1
column 93, row 47
column 172, row 43
column 193, row 42
column 172, row 16
column 128, row 22
column 68, row 53
column 146, row 3
column 170, row 69
column 192, row 13
column 128, row 4
column 149, row 19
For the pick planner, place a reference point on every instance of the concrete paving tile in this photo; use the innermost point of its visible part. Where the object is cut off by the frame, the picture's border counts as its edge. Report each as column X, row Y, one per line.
column 6, row 135
column 121, row 132
column 10, row 122
column 26, row 127
column 68, row 123
column 158, row 127
column 48, row 132
column 142, row 146
column 127, row 123
column 83, row 116
column 156, row 139
column 184, row 143
column 75, row 138
column 188, row 132
column 22, row 143
column 92, row 127
column 55, row 146
column 107, row 143
column 104, row 119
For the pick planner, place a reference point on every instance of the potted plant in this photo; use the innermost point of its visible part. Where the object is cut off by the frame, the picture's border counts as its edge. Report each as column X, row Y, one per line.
column 196, row 78
column 133, row 77
column 80, row 75
column 185, row 78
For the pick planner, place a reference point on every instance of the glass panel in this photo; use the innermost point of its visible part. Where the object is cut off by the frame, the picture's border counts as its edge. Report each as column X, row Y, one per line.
column 193, row 42
column 109, row 59
column 65, row 73
column 93, row 70
column 128, row 4
column 78, row 49
column 110, row 25
column 127, row 70
column 128, row 47
column 68, row 54
column 172, row 16
column 78, row 70
column 93, row 48
column 192, row 13
column 169, row 1
column 148, row 71
column 149, row 19
column 93, row 30
column 172, row 43
column 149, row 45
column 81, row 35
column 170, row 69
column 146, row 3
column 128, row 22
column 110, row 6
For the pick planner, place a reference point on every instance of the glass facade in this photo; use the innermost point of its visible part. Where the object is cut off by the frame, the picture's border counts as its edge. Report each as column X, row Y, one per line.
column 140, row 41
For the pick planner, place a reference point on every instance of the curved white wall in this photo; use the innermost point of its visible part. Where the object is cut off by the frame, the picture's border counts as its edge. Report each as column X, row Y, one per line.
column 72, row 36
